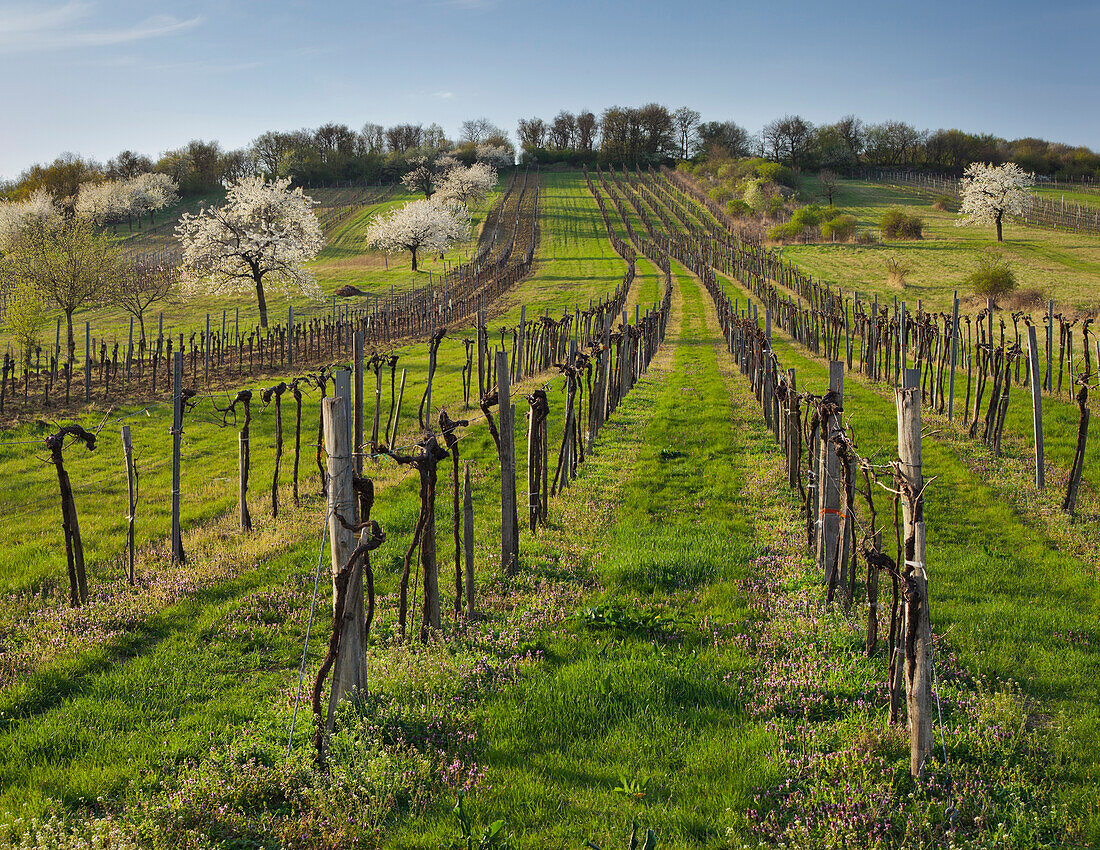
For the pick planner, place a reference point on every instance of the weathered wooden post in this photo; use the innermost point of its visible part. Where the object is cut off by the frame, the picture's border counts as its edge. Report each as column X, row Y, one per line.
column 357, row 361
column 954, row 356
column 917, row 644
column 1036, row 405
column 1070, row 502
column 509, row 531
column 178, row 555
column 131, row 489
column 468, row 539
column 830, row 484
column 350, row 674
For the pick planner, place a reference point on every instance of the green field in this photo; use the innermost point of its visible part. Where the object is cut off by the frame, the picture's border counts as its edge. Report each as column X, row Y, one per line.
column 1056, row 265
column 663, row 656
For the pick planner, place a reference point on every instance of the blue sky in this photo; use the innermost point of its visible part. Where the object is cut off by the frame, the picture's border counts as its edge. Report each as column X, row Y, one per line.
column 98, row 77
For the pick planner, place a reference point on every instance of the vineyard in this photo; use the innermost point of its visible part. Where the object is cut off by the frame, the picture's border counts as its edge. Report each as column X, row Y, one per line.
column 616, row 521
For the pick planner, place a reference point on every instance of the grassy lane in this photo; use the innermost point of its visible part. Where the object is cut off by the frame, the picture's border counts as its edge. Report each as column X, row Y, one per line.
column 1016, row 606
column 629, row 715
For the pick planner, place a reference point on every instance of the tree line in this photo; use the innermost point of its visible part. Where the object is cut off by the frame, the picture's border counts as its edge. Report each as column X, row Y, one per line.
column 331, row 153
column 648, row 134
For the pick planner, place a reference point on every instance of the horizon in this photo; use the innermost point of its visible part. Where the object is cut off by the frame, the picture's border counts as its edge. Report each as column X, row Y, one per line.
column 93, row 76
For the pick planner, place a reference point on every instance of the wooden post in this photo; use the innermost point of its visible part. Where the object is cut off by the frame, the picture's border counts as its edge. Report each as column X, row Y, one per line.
column 178, row 555
column 830, row 484
column 917, row 645
column 87, row 362
column 509, row 532
column 794, row 432
column 350, row 670
column 1078, row 467
column 954, row 356
column 131, row 489
column 397, row 410
column 468, row 540
column 206, row 354
column 1050, row 346
column 289, row 334
column 357, row 359
column 1036, row 405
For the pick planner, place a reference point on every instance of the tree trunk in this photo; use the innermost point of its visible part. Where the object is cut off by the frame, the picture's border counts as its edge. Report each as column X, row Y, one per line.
column 413, row 250
column 70, row 338
column 262, row 302
column 141, row 322
column 999, row 237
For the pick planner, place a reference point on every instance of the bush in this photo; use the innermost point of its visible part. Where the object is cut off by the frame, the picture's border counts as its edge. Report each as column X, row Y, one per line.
column 720, row 194
column 941, row 203
column 774, row 205
column 776, row 173
column 840, row 228
column 806, row 217
column 993, row 277
column 783, row 232
column 895, row 224
column 896, row 270
column 738, row 209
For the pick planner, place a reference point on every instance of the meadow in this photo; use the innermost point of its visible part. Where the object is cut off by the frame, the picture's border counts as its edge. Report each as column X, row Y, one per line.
column 663, row 656
column 1047, row 264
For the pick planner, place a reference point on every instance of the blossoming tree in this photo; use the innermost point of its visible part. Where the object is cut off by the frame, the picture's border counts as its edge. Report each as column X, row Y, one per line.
column 433, row 225
column 262, row 235
column 990, row 192
column 467, row 184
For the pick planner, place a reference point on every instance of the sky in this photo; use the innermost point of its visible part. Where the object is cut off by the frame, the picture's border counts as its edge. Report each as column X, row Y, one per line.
column 95, row 77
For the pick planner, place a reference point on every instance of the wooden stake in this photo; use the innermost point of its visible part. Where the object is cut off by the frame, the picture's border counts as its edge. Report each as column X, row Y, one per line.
column 509, row 531
column 131, row 489
column 1036, row 405
column 178, row 555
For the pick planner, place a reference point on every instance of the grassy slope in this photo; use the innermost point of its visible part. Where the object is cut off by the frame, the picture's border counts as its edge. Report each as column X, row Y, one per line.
column 52, row 740
column 1063, row 266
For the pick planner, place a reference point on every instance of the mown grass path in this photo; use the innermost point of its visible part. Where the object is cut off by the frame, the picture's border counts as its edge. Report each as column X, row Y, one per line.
column 637, row 719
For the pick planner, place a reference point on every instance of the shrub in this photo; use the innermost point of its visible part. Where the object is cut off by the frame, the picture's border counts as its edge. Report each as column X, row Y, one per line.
column 806, row 217
column 993, row 277
column 840, row 228
column 720, row 194
column 783, row 232
column 774, row 205
column 776, row 173
column 941, row 203
column 738, row 208
column 895, row 224
column 896, row 270
column 756, row 194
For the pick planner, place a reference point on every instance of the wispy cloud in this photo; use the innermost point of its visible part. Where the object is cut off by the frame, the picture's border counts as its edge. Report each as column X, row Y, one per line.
column 24, row 29
column 443, row 94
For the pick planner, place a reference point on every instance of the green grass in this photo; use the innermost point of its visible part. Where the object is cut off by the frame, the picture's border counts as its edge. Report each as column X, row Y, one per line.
column 1062, row 266
column 1000, row 586
column 633, row 600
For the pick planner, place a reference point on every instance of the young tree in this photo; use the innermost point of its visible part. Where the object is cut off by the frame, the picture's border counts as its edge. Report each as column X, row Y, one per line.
column 264, row 233
column 466, row 184
column 829, row 182
column 430, row 225
column 24, row 318
column 136, row 288
column 990, row 192
column 67, row 261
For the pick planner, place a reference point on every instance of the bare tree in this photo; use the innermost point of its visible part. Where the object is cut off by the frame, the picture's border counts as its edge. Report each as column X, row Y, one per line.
column 531, row 132
column 587, row 127
column 136, row 288
column 686, row 121
column 829, row 183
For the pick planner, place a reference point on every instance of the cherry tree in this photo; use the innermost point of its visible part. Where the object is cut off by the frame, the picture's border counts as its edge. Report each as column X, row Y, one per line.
column 426, row 172
column 497, row 156
column 431, row 225
column 466, row 184
column 990, row 192
column 39, row 209
column 263, row 234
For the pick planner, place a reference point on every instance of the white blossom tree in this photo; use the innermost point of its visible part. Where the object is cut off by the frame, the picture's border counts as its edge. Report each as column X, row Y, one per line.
column 497, row 156
column 431, row 225
column 466, row 184
column 263, row 234
column 151, row 192
column 426, row 172
column 20, row 216
column 990, row 192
